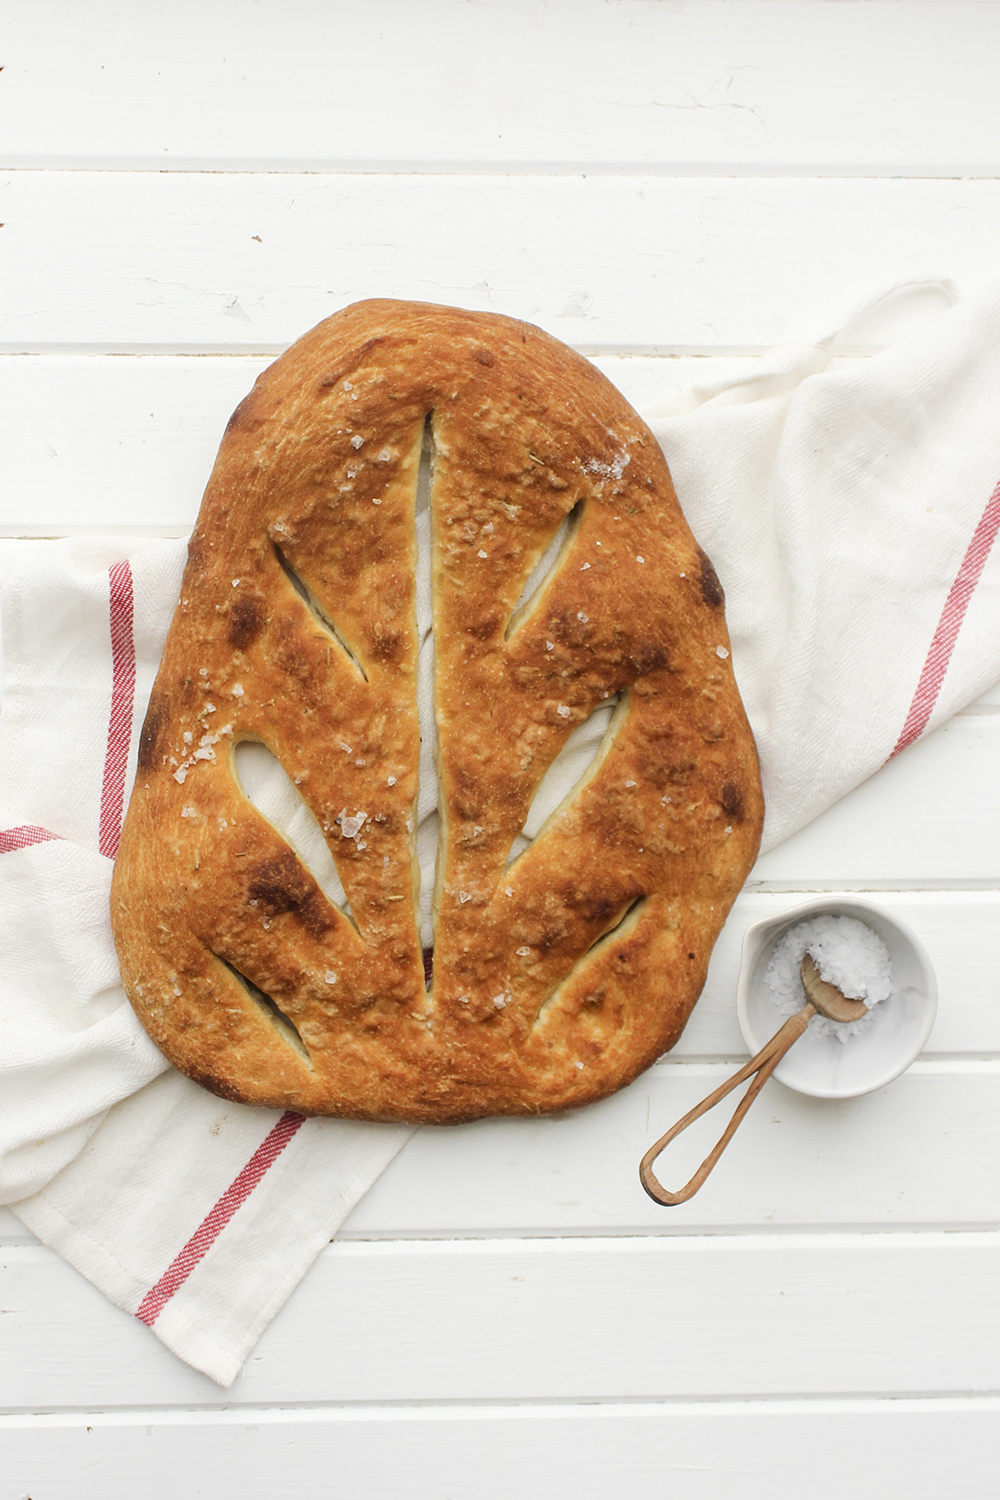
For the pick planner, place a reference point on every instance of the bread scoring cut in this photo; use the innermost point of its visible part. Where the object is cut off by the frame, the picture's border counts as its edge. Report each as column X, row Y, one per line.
column 557, row 976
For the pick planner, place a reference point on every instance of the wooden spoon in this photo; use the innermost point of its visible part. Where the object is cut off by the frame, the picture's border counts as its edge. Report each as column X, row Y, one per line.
column 823, row 999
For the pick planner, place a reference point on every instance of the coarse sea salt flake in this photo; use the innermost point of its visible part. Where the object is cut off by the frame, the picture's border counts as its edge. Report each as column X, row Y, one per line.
column 563, row 711
column 481, row 553
column 356, row 441
column 721, row 652
column 330, row 976
column 390, row 781
column 350, row 827
column 847, row 953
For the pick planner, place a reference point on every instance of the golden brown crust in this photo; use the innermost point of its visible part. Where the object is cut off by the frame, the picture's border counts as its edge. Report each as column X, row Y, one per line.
column 558, row 978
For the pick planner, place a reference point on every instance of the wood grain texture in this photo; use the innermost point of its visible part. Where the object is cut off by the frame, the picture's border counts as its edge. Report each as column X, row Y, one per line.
column 217, row 262
column 750, row 85
column 644, row 1318
column 776, row 1450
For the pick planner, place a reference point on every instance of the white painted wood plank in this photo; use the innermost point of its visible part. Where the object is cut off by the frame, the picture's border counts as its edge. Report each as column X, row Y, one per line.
column 932, row 812
column 204, row 262
column 777, row 1450
column 128, row 441
column 960, row 930
column 988, row 703
column 656, row 1318
column 735, row 86
column 795, row 1161
column 921, row 1152
column 12, row 1231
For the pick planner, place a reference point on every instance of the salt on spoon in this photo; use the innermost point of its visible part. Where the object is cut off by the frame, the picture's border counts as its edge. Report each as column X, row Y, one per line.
column 821, row 999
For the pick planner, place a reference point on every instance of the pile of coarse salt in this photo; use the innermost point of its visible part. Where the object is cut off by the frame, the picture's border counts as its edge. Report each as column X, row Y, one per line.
column 847, row 953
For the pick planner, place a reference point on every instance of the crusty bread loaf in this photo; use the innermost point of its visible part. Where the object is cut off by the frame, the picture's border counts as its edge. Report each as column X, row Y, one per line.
column 556, row 978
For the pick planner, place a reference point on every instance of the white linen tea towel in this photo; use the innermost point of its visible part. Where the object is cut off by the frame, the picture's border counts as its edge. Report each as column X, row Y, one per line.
column 197, row 1215
column 851, row 514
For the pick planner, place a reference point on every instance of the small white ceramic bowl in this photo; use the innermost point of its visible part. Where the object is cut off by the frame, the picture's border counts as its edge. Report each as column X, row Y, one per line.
column 892, row 1038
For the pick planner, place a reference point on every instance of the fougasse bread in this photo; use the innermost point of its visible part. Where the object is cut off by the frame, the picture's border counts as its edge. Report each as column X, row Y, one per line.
column 558, row 976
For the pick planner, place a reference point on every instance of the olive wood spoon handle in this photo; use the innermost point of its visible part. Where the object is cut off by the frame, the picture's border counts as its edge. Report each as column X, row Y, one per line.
column 763, row 1065
column 823, row 999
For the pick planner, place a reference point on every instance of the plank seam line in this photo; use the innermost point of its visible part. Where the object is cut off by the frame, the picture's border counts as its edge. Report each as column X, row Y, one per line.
column 959, row 173
column 474, row 1408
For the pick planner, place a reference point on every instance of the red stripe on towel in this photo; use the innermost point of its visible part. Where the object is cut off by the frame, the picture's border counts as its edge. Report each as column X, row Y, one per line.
column 950, row 623
column 213, row 1224
column 122, row 698
column 24, row 837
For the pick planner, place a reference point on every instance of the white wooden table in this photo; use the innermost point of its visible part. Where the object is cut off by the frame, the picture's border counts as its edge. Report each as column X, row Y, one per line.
column 670, row 188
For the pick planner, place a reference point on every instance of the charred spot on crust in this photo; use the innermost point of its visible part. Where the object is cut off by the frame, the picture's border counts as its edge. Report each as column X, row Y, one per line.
column 484, row 629
column 649, row 657
column 731, row 800
column 156, row 717
column 483, row 357
column 315, row 918
column 711, row 588
column 277, row 885
column 384, row 645
column 594, row 909
column 246, row 620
